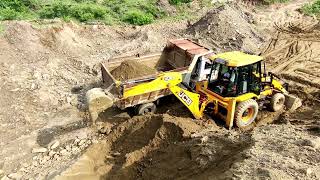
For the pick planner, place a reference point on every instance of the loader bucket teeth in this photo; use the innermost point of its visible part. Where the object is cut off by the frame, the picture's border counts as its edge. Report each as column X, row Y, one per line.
column 98, row 101
column 292, row 103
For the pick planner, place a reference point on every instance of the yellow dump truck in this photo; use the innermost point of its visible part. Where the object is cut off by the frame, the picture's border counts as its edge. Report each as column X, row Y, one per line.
column 179, row 55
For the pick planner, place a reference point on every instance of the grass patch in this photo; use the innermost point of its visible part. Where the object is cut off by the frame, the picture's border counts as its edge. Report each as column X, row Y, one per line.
column 177, row 2
column 136, row 12
column 68, row 10
column 312, row 9
column 275, row 1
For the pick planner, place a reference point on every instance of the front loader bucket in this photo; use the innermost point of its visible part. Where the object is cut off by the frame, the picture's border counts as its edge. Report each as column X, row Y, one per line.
column 98, row 101
column 292, row 103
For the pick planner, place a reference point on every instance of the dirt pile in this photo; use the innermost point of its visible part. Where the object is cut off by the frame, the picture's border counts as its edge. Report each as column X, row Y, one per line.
column 122, row 153
column 130, row 70
column 229, row 27
column 47, row 67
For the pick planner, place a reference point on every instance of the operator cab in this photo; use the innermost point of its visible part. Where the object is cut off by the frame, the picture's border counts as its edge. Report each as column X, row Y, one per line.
column 202, row 71
column 235, row 73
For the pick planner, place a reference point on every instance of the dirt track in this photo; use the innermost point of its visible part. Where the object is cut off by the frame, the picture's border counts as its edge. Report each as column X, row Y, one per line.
column 46, row 70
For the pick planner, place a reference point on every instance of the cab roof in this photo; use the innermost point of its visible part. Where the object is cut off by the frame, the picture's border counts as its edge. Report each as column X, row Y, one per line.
column 235, row 58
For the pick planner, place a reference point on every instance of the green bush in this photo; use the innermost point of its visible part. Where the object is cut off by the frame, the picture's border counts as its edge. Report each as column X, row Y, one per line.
column 8, row 14
column 138, row 12
column 81, row 11
column 176, row 2
column 312, row 9
column 138, row 17
column 17, row 9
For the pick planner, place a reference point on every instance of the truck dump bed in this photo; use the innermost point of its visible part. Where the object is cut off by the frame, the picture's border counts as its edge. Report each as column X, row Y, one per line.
column 177, row 56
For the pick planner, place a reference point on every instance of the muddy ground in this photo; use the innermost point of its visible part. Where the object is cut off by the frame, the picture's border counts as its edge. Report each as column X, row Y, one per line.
column 46, row 68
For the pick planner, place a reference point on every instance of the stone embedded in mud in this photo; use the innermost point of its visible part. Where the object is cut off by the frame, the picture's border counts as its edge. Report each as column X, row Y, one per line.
column 52, row 153
column 116, row 154
column 75, row 150
column 308, row 171
column 204, row 139
column 39, row 150
column 15, row 176
column 104, row 129
column 81, row 142
column 315, row 143
column 5, row 178
column 54, row 145
column 44, row 160
column 64, row 152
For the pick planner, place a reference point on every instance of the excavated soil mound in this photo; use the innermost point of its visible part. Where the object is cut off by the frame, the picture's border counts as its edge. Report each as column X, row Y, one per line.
column 124, row 151
column 229, row 27
column 130, row 70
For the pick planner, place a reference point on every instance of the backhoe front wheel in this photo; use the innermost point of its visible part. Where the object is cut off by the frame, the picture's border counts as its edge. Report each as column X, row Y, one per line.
column 146, row 108
column 246, row 112
column 277, row 102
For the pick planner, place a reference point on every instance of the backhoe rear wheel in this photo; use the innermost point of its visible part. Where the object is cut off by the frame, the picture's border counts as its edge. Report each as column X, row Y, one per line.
column 246, row 112
column 277, row 102
column 146, row 108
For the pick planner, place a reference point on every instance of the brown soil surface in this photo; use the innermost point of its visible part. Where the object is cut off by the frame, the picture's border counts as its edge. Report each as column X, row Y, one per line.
column 229, row 27
column 131, row 70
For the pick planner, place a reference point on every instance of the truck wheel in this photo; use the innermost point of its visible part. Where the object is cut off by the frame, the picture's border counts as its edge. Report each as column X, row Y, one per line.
column 246, row 112
column 277, row 102
column 146, row 108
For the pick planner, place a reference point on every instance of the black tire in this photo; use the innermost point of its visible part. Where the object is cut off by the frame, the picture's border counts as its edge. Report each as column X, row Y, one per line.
column 277, row 102
column 146, row 108
column 246, row 113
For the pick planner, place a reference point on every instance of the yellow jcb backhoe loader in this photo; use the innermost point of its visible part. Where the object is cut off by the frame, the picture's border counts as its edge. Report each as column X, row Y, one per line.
column 234, row 90
column 232, row 85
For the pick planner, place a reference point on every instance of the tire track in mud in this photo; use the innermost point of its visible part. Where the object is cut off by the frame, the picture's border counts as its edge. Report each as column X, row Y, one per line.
column 293, row 51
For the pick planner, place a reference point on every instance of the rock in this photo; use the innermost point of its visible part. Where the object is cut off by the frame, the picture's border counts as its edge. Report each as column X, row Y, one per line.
column 116, row 154
column 33, row 86
column 204, row 139
column 24, row 170
column 69, row 99
column 315, row 143
column 74, row 100
column 82, row 141
column 75, row 150
column 5, row 178
column 76, row 141
column 56, row 156
column 55, row 145
column 52, row 153
column 44, row 160
column 68, row 148
column 15, row 176
column 308, row 171
column 35, row 163
column 64, row 152
column 39, row 150
column 122, row 128
column 104, row 129
column 194, row 135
